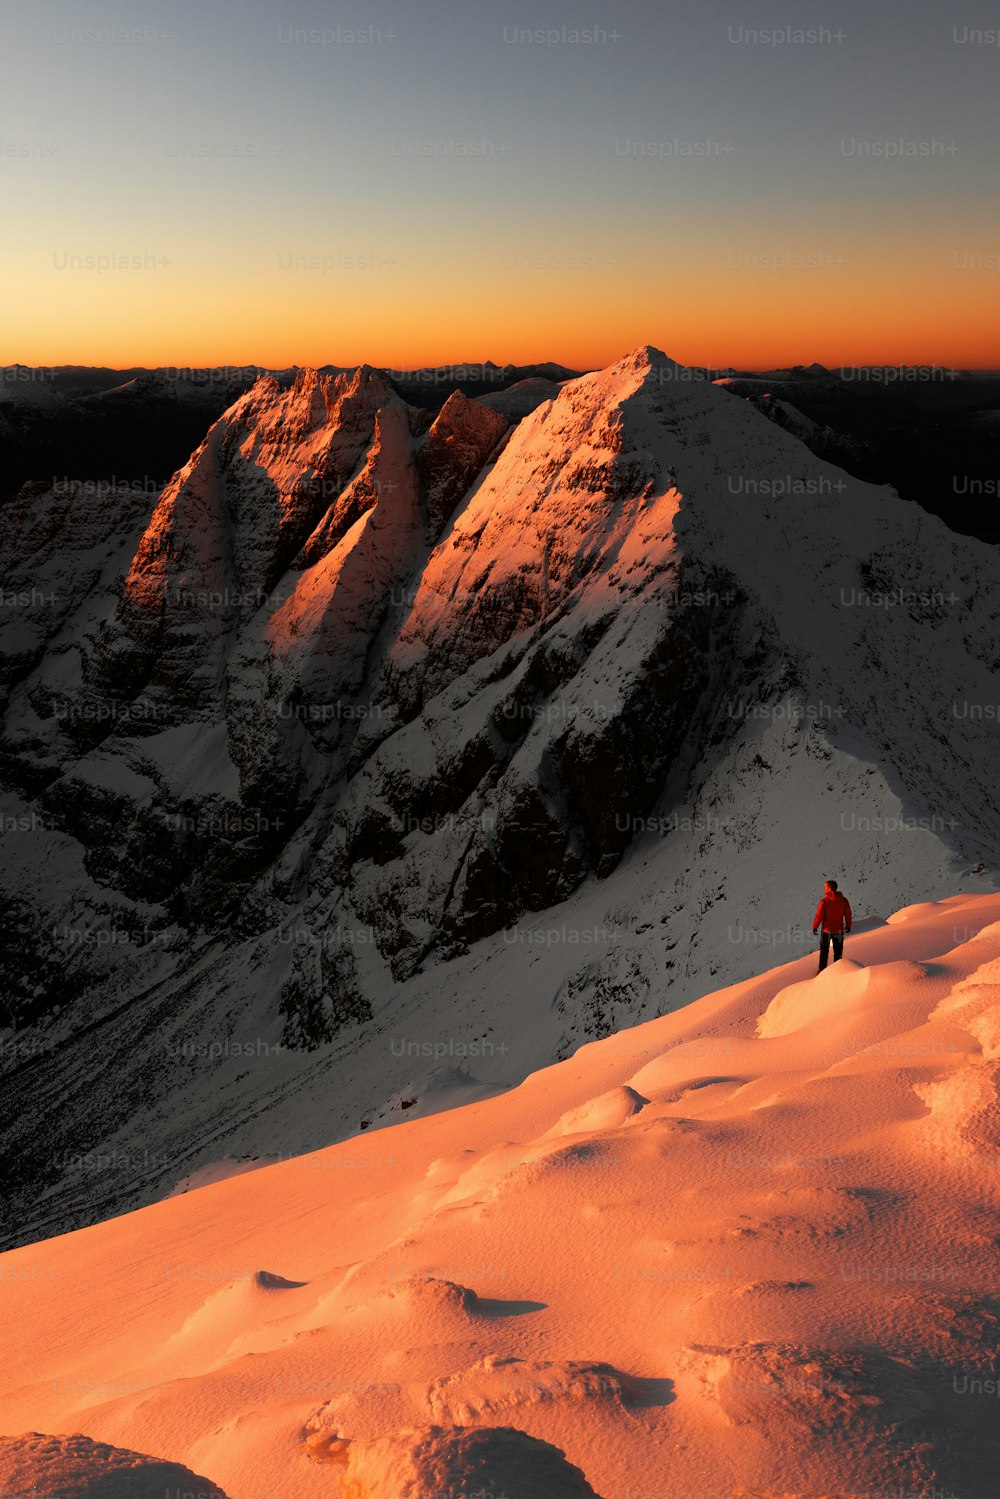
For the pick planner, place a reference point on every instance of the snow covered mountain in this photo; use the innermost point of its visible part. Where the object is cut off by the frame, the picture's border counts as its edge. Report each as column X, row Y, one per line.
column 745, row 1249
column 821, row 439
column 390, row 758
column 926, row 430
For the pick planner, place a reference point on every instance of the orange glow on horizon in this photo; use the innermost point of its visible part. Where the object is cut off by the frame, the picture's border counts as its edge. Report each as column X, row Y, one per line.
column 716, row 311
column 972, row 354
column 741, row 343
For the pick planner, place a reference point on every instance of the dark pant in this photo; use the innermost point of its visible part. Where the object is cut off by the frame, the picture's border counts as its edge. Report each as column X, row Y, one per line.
column 824, row 949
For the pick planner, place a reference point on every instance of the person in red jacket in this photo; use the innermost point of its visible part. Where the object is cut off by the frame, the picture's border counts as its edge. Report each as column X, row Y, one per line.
column 833, row 915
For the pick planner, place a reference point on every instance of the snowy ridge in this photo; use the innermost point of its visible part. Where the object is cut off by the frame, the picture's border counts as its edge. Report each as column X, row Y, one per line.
column 749, row 1246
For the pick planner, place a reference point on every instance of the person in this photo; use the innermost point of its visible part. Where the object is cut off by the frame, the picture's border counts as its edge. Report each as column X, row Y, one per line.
column 833, row 915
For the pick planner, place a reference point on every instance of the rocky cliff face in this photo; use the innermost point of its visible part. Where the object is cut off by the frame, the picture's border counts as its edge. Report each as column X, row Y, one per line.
column 358, row 702
column 461, row 439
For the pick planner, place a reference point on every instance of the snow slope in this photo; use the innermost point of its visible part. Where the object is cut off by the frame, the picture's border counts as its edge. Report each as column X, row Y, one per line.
column 745, row 1249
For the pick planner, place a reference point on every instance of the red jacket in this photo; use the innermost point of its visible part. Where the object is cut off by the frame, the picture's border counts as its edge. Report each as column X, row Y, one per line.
column 834, row 914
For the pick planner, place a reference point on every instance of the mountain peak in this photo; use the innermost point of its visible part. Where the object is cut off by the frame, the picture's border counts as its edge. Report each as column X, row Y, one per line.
column 642, row 366
column 647, row 356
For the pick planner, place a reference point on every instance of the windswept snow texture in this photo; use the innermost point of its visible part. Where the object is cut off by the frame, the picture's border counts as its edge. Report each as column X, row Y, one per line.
column 34, row 1466
column 384, row 759
column 745, row 1249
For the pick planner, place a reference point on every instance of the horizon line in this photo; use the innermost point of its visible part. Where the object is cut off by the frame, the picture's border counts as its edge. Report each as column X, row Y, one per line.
column 249, row 366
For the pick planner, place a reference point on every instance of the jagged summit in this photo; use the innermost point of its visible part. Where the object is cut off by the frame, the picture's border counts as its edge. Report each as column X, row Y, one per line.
column 311, row 400
column 646, row 356
column 644, row 371
column 644, row 360
column 460, row 439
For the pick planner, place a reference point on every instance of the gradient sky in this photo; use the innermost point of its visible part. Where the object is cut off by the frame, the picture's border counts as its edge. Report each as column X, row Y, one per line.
column 508, row 199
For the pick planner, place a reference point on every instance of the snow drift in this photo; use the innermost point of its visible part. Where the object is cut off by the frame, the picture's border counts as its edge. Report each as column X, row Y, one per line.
column 748, row 1248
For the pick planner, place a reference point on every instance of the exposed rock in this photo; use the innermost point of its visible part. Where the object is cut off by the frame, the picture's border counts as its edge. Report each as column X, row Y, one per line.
column 460, row 440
